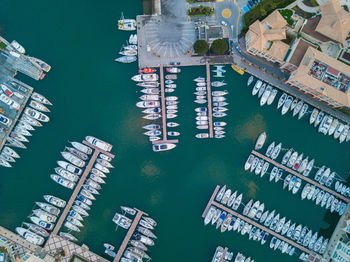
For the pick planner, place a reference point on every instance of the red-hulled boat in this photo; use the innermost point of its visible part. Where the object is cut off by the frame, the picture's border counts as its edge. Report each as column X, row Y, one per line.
column 147, row 70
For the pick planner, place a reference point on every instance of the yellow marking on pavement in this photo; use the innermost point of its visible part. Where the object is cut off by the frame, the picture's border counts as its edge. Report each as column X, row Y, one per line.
column 239, row 14
column 226, row 13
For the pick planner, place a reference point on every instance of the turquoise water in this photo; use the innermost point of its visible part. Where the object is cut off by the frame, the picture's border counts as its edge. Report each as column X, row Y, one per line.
column 93, row 95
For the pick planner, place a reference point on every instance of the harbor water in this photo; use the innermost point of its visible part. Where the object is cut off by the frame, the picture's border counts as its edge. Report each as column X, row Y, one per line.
column 93, row 95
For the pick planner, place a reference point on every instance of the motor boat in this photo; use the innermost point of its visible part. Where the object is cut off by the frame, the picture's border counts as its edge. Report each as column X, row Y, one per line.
column 30, row 236
column 126, row 24
column 272, row 97
column 303, row 111
column 287, row 105
column 265, row 95
column 36, row 115
column 173, row 70
column 126, row 59
column 73, row 159
column 256, row 87
column 40, row 98
column 163, row 147
column 62, row 181
column 38, row 106
column 262, row 90
column 145, row 78
column 55, row 201
column 152, row 84
column 313, row 116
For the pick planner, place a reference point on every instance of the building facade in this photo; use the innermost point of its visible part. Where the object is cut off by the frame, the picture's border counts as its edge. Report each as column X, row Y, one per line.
column 264, row 38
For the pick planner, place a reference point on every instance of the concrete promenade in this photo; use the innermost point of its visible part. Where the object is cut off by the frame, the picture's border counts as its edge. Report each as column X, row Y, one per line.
column 254, row 223
column 308, row 180
column 210, row 112
column 131, row 230
column 56, row 243
column 18, row 240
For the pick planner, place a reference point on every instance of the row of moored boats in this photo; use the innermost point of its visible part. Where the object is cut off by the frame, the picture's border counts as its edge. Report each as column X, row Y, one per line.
column 326, row 124
column 302, row 165
column 32, row 116
column 218, row 102
column 147, row 79
column 140, row 240
column 255, row 210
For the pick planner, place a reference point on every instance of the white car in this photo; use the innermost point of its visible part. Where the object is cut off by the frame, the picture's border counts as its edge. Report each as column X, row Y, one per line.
column 4, row 98
column 224, row 23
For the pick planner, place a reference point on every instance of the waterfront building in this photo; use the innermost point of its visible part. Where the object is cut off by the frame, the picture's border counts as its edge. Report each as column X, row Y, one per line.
column 333, row 24
column 323, row 77
column 264, row 38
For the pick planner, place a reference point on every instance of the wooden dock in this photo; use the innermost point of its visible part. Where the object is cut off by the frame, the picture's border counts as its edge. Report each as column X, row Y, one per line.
column 223, row 255
column 77, row 188
column 210, row 112
column 308, row 180
column 131, row 230
column 252, row 222
column 164, row 118
column 162, row 92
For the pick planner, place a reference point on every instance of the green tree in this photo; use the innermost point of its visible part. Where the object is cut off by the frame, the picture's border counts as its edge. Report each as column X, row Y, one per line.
column 219, row 46
column 201, row 47
column 262, row 11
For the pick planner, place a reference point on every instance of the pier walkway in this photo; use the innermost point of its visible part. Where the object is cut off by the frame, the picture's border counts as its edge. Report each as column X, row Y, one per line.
column 223, row 255
column 163, row 105
column 162, row 92
column 210, row 112
column 78, row 186
column 131, row 230
column 308, row 180
column 254, row 223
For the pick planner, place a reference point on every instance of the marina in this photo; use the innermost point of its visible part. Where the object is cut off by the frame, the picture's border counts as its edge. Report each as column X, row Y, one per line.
column 131, row 230
column 308, row 180
column 97, row 151
column 212, row 202
column 147, row 179
column 20, row 108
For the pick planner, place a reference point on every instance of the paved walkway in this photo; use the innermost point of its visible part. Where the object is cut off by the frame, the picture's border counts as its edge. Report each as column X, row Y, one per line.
column 306, row 8
column 18, row 240
column 56, row 243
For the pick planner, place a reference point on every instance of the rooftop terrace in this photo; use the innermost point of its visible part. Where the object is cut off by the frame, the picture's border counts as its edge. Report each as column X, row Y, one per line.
column 330, row 76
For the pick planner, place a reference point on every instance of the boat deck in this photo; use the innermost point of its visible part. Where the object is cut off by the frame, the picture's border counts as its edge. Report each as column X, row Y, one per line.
column 308, row 180
column 131, row 230
column 76, row 191
column 210, row 112
column 252, row 222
